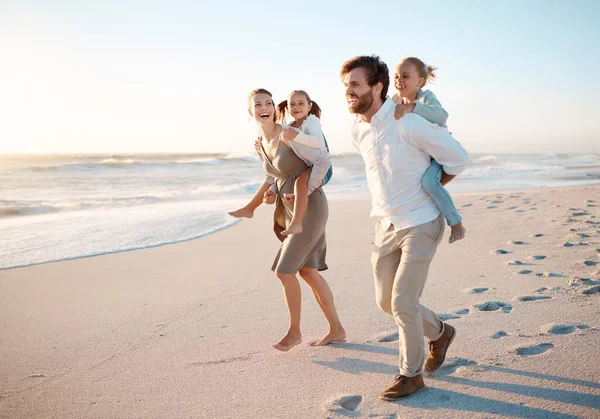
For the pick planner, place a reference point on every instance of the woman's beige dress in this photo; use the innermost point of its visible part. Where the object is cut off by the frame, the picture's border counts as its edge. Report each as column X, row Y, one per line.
column 308, row 248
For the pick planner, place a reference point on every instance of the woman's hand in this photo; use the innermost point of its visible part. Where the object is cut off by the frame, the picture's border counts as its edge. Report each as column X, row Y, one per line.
column 269, row 197
column 288, row 134
column 403, row 109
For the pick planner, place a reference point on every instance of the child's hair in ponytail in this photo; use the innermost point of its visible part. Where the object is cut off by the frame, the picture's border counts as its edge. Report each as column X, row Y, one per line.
column 423, row 70
column 282, row 108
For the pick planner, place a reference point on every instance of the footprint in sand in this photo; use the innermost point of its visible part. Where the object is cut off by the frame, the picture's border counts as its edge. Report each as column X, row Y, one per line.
column 447, row 316
column 497, row 201
column 518, row 242
column 499, row 334
column 389, row 337
column 578, row 281
column 541, row 289
column 534, row 349
column 491, row 207
column 538, row 257
column 549, row 275
column 512, row 208
column 590, row 263
column 467, row 205
column 557, row 329
column 493, row 306
column 462, row 311
column 476, row 290
column 592, row 290
column 520, row 210
column 538, row 235
column 525, row 272
column 343, row 405
column 532, row 297
column 514, row 262
column 583, row 235
column 501, row 252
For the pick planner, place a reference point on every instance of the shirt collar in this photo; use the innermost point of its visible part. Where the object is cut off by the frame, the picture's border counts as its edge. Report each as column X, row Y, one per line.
column 383, row 111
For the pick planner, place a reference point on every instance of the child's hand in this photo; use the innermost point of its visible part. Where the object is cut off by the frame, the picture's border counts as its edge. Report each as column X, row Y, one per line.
column 403, row 109
column 269, row 197
column 257, row 146
column 288, row 134
column 397, row 99
column 289, row 198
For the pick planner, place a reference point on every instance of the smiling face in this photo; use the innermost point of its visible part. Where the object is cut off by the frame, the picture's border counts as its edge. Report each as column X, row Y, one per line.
column 407, row 80
column 262, row 108
column 360, row 96
column 299, row 106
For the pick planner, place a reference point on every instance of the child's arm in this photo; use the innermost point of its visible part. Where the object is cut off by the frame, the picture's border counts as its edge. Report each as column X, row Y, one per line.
column 312, row 135
column 319, row 159
column 431, row 109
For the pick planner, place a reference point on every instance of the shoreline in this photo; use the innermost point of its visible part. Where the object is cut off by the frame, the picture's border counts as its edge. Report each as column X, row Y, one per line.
column 237, row 221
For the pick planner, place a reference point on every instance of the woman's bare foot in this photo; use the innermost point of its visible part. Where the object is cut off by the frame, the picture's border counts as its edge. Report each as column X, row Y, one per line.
column 242, row 213
column 337, row 336
column 290, row 340
column 294, row 228
column 457, row 232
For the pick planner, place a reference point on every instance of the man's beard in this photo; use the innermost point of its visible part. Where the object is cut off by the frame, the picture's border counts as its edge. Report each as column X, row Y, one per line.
column 363, row 104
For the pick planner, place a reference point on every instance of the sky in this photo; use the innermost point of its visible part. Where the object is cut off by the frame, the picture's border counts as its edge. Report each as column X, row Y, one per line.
column 119, row 76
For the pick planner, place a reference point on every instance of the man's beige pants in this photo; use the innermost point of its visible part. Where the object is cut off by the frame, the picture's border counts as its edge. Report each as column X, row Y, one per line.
column 400, row 264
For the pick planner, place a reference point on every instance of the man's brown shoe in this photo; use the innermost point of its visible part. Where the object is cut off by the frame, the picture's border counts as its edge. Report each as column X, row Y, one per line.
column 403, row 386
column 438, row 348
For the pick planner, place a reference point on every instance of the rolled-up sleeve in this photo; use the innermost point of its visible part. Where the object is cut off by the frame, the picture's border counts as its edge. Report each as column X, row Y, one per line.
column 311, row 134
column 438, row 143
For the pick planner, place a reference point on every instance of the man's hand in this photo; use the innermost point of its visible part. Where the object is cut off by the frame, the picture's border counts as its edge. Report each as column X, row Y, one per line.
column 269, row 197
column 288, row 134
column 403, row 109
column 289, row 198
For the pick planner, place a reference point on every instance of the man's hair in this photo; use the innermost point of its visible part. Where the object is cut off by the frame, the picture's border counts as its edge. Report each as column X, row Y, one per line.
column 377, row 71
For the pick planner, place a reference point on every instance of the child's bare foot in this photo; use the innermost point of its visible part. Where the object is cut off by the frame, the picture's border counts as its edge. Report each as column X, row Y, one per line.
column 457, row 232
column 290, row 340
column 334, row 336
column 294, row 228
column 242, row 213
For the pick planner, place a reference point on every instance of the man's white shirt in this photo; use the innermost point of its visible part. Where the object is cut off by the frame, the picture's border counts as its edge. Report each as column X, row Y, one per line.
column 396, row 154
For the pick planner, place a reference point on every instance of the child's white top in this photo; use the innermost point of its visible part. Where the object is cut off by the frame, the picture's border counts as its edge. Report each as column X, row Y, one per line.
column 310, row 133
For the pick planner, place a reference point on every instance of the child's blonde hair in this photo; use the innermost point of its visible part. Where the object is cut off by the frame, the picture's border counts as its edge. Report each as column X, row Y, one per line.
column 423, row 70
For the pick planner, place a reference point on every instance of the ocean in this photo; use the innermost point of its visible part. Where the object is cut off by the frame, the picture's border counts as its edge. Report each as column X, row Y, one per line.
column 56, row 207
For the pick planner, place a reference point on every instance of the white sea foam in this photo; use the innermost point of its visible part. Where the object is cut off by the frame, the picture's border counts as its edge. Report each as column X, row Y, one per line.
column 57, row 207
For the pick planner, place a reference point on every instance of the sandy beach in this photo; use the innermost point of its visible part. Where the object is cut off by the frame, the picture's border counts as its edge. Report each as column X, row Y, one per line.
column 185, row 330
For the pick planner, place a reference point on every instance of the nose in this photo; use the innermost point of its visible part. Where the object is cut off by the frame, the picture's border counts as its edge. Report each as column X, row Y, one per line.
column 349, row 90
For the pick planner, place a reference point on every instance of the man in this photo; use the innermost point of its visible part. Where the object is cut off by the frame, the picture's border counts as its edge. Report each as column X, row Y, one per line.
column 409, row 224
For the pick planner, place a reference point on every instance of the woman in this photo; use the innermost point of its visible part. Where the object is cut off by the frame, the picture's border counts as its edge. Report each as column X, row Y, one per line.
column 302, row 253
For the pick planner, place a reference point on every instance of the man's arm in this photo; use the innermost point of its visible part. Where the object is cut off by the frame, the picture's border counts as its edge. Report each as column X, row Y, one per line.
column 439, row 144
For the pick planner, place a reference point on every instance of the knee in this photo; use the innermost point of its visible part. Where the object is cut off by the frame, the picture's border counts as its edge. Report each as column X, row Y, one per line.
column 308, row 275
column 384, row 304
column 405, row 310
column 283, row 277
column 430, row 182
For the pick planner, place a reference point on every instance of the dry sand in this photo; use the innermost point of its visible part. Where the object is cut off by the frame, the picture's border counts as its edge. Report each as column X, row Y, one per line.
column 185, row 330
